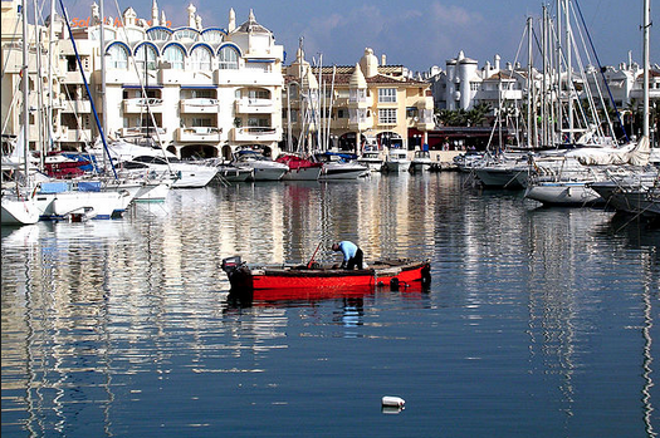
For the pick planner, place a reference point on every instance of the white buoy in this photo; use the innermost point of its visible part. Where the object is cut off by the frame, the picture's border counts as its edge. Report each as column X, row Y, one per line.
column 393, row 402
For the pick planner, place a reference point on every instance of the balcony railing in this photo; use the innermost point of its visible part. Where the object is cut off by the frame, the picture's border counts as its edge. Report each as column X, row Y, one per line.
column 77, row 106
column 140, row 105
column 254, row 106
column 141, row 131
column 198, row 134
column 199, row 105
column 256, row 134
column 75, row 135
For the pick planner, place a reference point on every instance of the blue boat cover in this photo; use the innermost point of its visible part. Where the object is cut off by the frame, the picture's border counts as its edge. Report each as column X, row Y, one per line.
column 54, row 187
column 89, row 186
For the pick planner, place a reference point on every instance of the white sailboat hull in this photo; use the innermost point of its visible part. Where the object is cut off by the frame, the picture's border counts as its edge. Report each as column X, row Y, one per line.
column 563, row 193
column 19, row 212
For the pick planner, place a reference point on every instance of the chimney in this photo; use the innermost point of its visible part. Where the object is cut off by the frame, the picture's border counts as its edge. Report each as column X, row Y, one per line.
column 383, row 59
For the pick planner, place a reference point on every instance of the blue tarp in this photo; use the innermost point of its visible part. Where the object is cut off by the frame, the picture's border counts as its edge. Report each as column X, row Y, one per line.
column 54, row 187
column 89, row 186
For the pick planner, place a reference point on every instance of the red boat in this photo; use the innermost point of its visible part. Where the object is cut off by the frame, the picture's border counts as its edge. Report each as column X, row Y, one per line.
column 300, row 168
column 314, row 276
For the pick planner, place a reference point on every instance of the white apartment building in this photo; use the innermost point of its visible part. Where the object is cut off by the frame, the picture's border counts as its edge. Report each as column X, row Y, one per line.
column 199, row 91
column 463, row 85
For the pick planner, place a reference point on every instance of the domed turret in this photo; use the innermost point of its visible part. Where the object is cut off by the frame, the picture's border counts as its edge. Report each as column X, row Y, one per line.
column 369, row 63
column 357, row 78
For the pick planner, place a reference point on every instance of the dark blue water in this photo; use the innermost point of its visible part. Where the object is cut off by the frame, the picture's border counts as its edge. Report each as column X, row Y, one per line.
column 538, row 322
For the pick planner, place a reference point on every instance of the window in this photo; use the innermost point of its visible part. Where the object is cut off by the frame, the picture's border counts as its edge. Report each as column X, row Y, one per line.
column 185, row 34
column 387, row 95
column 200, row 58
column 159, row 34
column 200, row 122
column 174, row 56
column 145, row 54
column 387, row 116
column 118, row 57
column 228, row 58
column 474, row 86
column 260, row 122
column 71, row 63
column 411, row 112
column 213, row 36
column 258, row 94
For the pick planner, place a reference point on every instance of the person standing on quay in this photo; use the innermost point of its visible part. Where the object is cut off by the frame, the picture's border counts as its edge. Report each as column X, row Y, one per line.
column 352, row 254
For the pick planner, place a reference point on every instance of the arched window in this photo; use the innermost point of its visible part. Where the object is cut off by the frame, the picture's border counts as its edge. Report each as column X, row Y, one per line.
column 213, row 36
column 146, row 53
column 200, row 58
column 159, row 33
column 174, row 55
column 228, row 58
column 186, row 34
column 117, row 57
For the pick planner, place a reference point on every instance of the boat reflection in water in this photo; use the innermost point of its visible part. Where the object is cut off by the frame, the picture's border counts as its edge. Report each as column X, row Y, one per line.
column 352, row 297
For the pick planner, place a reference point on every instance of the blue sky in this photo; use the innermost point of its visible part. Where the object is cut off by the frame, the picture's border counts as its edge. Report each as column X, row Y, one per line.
column 417, row 34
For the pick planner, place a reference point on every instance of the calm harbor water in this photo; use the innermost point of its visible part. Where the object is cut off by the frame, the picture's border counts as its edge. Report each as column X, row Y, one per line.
column 539, row 322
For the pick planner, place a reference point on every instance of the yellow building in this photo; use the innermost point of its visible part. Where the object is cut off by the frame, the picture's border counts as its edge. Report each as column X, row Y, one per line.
column 330, row 107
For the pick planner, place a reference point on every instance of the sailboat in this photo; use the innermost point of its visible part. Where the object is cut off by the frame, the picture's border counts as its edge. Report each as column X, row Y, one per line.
column 566, row 177
column 637, row 193
column 18, row 206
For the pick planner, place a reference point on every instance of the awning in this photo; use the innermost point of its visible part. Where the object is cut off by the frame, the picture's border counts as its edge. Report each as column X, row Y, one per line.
column 198, row 87
column 139, row 87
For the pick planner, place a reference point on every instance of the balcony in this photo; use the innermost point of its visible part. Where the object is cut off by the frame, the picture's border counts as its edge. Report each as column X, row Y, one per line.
column 141, row 132
column 77, row 106
column 425, row 120
column 198, row 134
column 75, row 135
column 254, row 106
column 141, row 105
column 199, row 105
column 256, row 134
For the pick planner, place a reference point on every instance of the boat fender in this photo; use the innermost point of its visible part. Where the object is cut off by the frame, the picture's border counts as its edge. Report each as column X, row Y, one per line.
column 394, row 283
column 393, row 401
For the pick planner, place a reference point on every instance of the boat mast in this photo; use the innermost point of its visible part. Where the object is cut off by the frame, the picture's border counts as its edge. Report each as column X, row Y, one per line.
column 39, row 119
column 104, row 104
column 569, row 70
column 25, row 89
column 558, row 61
column 647, row 30
column 51, row 44
column 544, row 90
column 531, row 136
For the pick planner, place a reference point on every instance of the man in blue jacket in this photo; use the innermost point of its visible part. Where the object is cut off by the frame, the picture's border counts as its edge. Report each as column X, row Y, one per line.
column 352, row 254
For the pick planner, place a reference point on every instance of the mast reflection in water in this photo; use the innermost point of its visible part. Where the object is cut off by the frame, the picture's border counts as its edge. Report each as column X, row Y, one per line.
column 537, row 322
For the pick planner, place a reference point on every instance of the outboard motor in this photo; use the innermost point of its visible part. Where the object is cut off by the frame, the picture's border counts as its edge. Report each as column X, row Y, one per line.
column 230, row 264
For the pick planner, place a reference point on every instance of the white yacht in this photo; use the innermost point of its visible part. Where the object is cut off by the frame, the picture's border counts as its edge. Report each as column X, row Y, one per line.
column 397, row 160
column 421, row 161
column 264, row 169
column 338, row 166
column 155, row 164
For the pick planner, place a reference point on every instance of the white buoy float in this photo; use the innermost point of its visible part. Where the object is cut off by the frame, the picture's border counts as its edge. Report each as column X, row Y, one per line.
column 392, row 403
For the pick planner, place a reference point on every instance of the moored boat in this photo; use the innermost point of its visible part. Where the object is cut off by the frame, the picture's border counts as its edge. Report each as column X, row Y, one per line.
column 421, row 161
column 314, row 275
column 397, row 160
column 300, row 168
